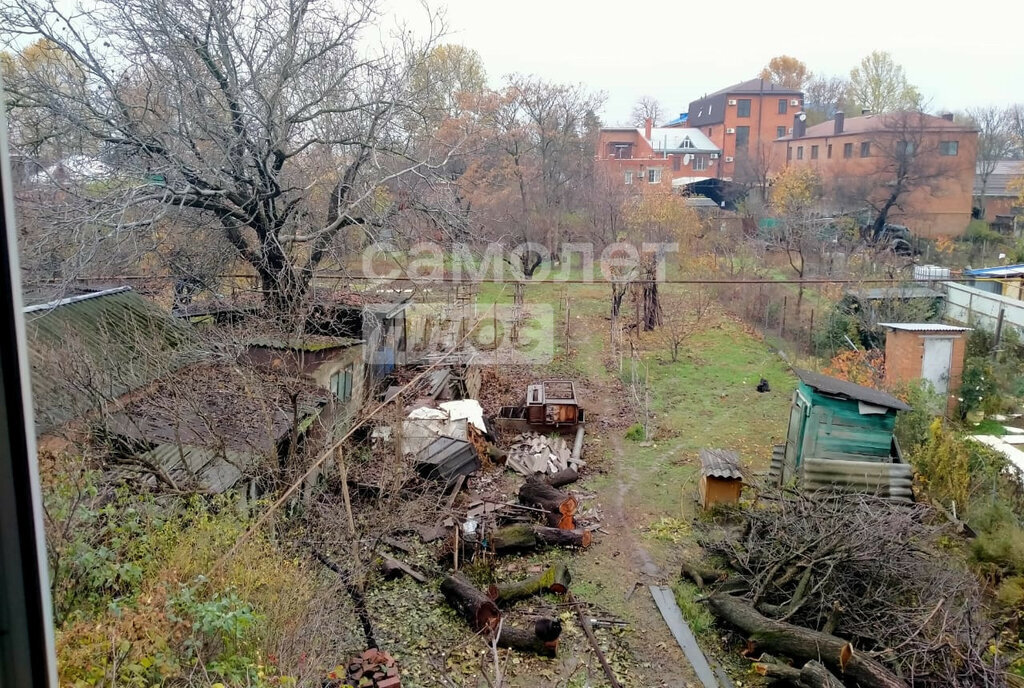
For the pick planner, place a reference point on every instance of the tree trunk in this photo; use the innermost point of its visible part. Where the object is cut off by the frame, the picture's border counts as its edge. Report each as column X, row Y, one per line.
column 562, row 477
column 476, row 608
column 561, row 506
column 393, row 568
column 813, row 674
column 561, row 537
column 541, row 639
column 803, row 644
column 358, row 600
column 525, row 536
column 556, row 579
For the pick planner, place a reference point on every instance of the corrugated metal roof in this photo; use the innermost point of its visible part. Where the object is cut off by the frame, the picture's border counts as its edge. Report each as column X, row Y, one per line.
column 1004, row 172
column 93, row 348
column 879, row 293
column 720, row 463
column 842, row 388
column 996, row 272
column 925, row 327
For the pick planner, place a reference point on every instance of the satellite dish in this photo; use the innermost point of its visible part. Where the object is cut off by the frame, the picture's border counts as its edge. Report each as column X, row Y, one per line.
column 687, row 158
column 803, row 116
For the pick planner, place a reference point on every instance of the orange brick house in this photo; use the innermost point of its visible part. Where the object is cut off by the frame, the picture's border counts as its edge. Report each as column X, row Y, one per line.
column 656, row 159
column 926, row 351
column 743, row 120
column 859, row 159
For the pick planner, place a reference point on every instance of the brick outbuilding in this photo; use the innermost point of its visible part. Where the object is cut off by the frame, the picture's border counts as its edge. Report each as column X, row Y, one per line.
column 926, row 351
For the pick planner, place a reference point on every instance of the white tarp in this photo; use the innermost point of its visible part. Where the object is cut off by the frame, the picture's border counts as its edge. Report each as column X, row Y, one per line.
column 426, row 424
column 470, row 409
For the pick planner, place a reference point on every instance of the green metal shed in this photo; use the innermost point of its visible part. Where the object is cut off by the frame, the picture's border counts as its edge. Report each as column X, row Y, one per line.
column 841, row 434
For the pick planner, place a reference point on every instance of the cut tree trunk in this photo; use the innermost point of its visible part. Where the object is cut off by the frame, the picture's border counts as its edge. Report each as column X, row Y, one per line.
column 476, row 608
column 541, row 638
column 524, row 536
column 563, row 538
column 556, row 579
column 813, row 675
column 803, row 644
column 562, row 477
column 393, row 568
column 560, row 506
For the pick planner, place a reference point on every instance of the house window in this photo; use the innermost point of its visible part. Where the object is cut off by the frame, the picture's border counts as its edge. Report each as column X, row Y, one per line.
column 783, row 106
column 629, row 177
column 676, row 162
column 687, row 143
column 622, row 151
column 700, row 163
column 341, row 383
column 865, row 149
column 799, row 152
column 814, row 152
column 789, row 153
column 709, row 132
column 742, row 137
column 828, row 151
column 654, row 175
column 847, row 150
column 949, row 147
column 743, row 107
column 780, row 132
column 905, row 148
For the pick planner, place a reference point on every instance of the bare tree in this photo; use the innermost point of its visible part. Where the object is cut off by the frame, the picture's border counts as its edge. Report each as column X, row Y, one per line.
column 684, row 316
column 276, row 122
column 823, row 97
column 646, row 107
column 995, row 142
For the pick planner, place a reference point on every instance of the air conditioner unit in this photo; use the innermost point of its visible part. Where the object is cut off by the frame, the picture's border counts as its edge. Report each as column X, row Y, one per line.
column 714, row 156
column 730, row 130
column 728, row 158
column 732, row 101
column 794, row 102
column 791, row 131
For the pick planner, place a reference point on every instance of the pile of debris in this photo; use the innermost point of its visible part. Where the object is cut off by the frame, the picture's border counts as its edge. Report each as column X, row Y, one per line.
column 373, row 668
column 531, row 453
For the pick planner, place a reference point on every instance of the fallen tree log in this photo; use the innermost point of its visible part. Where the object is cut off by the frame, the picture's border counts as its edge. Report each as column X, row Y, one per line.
column 475, row 607
column 562, row 477
column 525, row 536
column 561, row 507
column 812, row 675
column 555, row 579
column 802, row 644
column 393, row 568
column 541, row 638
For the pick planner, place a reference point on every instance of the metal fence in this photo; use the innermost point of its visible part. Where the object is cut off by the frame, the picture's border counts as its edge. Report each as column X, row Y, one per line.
column 974, row 306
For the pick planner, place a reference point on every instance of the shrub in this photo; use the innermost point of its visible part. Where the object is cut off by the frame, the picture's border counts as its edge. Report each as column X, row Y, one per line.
column 636, row 433
column 1002, row 549
column 978, row 232
column 912, row 427
column 978, row 389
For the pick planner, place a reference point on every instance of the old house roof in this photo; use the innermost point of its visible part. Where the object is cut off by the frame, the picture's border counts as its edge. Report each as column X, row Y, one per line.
column 843, row 389
column 1004, row 172
column 892, row 121
column 91, row 348
column 219, row 406
column 304, row 342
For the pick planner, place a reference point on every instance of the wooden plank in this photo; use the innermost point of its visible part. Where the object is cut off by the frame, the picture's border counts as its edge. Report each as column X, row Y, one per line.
column 666, row 602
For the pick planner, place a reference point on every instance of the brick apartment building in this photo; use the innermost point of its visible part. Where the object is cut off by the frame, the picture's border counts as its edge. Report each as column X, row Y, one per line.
column 656, row 158
column 859, row 158
column 743, row 120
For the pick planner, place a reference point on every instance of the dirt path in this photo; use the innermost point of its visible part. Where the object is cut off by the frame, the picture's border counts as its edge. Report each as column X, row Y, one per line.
column 621, row 559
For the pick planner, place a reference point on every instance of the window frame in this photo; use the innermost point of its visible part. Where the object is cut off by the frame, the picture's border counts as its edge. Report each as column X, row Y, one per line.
column 783, row 106
column 654, row 175
column 780, row 132
column 740, row 106
column 799, row 152
column 628, row 178
column 814, row 152
column 951, row 145
column 847, row 150
column 700, row 163
column 828, row 152
column 865, row 149
column 742, row 137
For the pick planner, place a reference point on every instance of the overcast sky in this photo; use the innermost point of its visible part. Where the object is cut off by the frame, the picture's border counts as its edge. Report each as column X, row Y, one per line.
column 959, row 54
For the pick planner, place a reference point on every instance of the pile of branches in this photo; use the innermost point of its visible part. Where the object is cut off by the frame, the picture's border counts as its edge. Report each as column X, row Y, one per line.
column 863, row 569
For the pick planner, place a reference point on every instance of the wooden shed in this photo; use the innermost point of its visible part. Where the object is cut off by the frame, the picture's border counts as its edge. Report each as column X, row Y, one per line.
column 841, row 435
column 720, row 478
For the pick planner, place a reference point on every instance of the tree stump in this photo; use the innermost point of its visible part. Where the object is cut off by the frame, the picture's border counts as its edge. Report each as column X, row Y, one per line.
column 555, row 579
column 541, row 639
column 560, row 506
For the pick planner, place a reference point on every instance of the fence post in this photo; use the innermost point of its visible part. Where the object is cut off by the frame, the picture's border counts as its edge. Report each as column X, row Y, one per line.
column 810, row 333
column 782, row 325
column 999, row 332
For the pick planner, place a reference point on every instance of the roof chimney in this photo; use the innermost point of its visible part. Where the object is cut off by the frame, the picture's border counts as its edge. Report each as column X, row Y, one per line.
column 865, row 111
column 948, row 116
column 648, row 123
column 799, row 125
column 840, row 121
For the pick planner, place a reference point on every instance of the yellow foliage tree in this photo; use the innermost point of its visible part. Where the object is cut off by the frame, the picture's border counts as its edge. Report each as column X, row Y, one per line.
column 786, row 71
